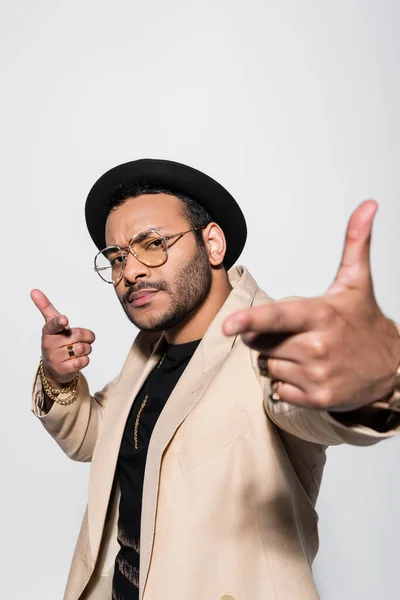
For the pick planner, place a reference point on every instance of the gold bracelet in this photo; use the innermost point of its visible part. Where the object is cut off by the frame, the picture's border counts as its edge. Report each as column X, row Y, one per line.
column 69, row 388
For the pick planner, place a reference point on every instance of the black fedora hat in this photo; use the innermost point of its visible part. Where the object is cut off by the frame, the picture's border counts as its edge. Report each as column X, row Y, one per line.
column 174, row 177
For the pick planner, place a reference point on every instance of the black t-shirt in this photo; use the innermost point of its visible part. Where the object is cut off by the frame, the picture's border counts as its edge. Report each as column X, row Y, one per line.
column 132, row 460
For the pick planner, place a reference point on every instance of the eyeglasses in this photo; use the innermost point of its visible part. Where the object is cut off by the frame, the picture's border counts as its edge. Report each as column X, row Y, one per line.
column 148, row 247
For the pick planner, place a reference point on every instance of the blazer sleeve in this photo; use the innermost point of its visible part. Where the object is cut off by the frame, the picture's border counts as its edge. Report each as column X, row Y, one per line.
column 75, row 427
column 321, row 427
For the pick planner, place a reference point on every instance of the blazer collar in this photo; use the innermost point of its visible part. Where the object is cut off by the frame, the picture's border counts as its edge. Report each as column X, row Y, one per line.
column 209, row 356
column 215, row 345
column 141, row 360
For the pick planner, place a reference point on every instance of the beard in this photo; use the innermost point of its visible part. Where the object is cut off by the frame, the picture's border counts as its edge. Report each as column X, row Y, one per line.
column 190, row 290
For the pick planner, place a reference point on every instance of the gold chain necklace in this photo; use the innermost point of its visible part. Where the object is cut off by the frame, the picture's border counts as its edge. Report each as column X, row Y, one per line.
column 136, row 427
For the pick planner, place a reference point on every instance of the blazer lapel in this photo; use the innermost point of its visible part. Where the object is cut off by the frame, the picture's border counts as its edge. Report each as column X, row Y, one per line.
column 140, row 362
column 206, row 361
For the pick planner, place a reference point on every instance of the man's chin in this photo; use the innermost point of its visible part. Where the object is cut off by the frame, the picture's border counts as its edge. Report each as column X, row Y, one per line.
column 147, row 320
column 156, row 321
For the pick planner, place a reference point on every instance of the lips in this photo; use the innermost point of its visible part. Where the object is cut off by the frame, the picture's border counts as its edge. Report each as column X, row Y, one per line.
column 142, row 297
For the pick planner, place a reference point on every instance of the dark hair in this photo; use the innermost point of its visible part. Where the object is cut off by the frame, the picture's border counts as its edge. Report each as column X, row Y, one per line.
column 196, row 215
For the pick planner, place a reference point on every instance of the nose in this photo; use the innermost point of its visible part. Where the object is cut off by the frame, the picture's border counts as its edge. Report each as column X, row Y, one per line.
column 134, row 270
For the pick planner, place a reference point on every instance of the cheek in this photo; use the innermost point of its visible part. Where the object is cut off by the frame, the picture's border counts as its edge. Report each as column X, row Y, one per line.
column 166, row 274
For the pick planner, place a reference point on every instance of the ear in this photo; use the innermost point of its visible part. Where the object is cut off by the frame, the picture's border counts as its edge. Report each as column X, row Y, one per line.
column 215, row 242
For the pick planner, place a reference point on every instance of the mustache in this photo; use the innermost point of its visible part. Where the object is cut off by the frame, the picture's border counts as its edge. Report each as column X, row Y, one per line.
column 145, row 285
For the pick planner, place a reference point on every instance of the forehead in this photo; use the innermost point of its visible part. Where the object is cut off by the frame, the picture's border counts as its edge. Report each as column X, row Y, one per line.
column 143, row 212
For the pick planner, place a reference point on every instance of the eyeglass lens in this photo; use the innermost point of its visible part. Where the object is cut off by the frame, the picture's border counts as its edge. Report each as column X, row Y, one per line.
column 148, row 247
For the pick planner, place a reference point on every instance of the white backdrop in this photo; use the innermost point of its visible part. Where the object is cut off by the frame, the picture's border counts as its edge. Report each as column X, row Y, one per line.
column 294, row 107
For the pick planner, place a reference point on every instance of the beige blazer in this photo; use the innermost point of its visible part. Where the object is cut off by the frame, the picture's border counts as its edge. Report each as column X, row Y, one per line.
column 231, row 478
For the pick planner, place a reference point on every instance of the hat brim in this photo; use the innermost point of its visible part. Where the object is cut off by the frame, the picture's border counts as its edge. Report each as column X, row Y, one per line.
column 175, row 177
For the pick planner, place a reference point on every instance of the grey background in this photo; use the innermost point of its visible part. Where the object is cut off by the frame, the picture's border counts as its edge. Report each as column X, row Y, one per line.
column 291, row 105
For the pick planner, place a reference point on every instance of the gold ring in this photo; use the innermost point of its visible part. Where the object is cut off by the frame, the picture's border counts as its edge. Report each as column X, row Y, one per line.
column 263, row 366
column 275, row 397
column 71, row 352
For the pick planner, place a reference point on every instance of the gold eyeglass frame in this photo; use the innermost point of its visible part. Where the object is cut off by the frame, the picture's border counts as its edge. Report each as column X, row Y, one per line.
column 130, row 249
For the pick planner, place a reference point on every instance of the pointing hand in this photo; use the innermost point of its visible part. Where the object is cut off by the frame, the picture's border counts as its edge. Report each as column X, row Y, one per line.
column 59, row 367
column 334, row 352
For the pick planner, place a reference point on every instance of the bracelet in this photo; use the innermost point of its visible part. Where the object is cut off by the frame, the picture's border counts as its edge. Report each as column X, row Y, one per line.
column 69, row 388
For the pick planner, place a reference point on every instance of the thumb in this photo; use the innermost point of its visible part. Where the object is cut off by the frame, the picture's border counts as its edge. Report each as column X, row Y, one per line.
column 355, row 267
column 49, row 312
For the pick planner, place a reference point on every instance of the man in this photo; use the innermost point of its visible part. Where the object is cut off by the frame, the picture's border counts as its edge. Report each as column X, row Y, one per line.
column 208, row 450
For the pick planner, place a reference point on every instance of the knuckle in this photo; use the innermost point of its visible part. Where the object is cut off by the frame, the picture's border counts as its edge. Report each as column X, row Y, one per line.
column 317, row 347
column 78, row 349
column 317, row 374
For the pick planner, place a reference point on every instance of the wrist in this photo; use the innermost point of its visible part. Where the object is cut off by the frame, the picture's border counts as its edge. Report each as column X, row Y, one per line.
column 52, row 381
column 64, row 394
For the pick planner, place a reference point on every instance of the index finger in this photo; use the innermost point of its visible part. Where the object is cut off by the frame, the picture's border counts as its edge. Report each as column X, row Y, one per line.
column 275, row 317
column 44, row 305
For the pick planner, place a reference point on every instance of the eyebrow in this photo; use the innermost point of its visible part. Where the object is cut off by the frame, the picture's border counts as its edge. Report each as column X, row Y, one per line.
column 156, row 228
column 153, row 229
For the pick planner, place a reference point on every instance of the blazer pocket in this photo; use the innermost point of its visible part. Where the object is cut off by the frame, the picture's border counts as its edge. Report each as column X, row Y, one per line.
column 208, row 446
